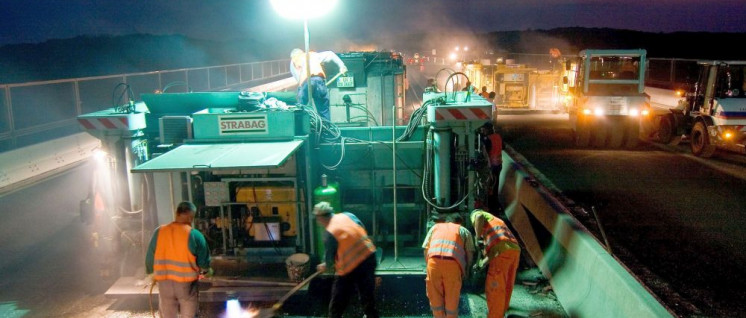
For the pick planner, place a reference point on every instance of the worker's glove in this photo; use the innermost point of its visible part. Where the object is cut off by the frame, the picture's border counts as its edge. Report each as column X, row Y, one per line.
column 482, row 263
column 476, row 267
column 321, row 267
column 206, row 273
column 343, row 71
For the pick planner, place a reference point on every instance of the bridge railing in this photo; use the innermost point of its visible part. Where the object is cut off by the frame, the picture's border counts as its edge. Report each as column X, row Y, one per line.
column 34, row 112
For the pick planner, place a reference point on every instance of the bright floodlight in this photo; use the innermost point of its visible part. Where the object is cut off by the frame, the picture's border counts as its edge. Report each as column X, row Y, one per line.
column 302, row 9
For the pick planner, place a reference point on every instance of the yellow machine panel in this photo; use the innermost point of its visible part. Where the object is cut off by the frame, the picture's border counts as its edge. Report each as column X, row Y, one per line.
column 272, row 201
column 513, row 85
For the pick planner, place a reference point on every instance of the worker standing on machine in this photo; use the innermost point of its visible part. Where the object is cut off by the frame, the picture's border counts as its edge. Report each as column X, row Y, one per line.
column 317, row 80
column 448, row 255
column 175, row 256
column 350, row 253
column 492, row 149
column 502, row 252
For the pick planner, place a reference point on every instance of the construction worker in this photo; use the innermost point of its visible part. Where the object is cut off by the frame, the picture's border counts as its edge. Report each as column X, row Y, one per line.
column 492, row 149
column 317, row 80
column 177, row 255
column 502, row 253
column 485, row 94
column 448, row 255
column 351, row 255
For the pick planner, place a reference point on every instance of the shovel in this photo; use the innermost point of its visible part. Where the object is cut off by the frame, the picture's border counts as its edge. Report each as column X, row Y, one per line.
column 270, row 312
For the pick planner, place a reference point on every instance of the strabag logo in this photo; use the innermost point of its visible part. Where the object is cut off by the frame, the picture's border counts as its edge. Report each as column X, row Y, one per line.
column 243, row 125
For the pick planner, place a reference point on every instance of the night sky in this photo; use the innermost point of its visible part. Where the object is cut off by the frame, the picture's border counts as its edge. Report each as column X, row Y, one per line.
column 357, row 21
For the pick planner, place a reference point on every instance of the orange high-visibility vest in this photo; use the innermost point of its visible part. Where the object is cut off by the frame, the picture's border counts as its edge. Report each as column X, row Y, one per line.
column 354, row 245
column 173, row 260
column 446, row 242
column 494, row 232
column 299, row 62
column 496, row 151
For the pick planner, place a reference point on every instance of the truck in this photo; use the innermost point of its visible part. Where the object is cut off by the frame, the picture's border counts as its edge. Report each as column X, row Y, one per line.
column 605, row 97
column 712, row 112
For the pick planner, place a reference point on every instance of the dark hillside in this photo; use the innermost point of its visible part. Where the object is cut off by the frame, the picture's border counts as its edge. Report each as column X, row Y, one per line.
column 105, row 55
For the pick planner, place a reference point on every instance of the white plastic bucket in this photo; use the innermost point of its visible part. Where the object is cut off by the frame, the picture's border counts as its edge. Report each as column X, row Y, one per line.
column 297, row 266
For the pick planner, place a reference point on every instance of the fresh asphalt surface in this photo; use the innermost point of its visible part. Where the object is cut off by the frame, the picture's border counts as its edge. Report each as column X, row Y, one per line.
column 677, row 221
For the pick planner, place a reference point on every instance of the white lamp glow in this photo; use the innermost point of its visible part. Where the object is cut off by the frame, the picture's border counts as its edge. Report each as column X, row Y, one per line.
column 302, row 9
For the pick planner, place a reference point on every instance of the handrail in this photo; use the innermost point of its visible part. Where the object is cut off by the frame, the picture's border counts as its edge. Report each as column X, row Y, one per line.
column 130, row 74
column 33, row 112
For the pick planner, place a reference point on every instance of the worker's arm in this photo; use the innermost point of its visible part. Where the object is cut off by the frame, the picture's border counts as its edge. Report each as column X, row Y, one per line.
column 468, row 246
column 330, row 57
column 331, row 245
column 498, row 249
column 426, row 242
column 294, row 72
column 478, row 226
column 486, row 154
column 198, row 247
column 491, row 254
column 150, row 256
column 478, row 229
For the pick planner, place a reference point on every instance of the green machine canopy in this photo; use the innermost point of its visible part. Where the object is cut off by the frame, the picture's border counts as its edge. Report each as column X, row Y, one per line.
column 222, row 156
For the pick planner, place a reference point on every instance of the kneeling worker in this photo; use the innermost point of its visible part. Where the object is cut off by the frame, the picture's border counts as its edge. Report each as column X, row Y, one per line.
column 503, row 253
column 448, row 255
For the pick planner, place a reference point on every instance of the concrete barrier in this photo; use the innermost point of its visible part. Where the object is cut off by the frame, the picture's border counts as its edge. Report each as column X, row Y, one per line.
column 587, row 280
column 26, row 165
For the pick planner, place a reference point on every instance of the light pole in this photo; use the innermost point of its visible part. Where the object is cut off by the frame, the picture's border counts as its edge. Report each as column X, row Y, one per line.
column 295, row 10
column 304, row 9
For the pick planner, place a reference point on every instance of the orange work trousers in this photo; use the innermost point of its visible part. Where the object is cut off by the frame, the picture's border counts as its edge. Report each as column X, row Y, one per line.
column 443, row 286
column 500, row 280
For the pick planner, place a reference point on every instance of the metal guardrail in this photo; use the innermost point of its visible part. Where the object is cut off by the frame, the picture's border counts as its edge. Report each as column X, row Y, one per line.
column 34, row 112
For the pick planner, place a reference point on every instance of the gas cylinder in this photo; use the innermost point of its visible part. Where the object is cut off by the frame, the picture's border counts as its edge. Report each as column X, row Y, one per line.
column 329, row 192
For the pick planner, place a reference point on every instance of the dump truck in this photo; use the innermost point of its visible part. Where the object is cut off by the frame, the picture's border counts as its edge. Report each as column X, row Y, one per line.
column 606, row 99
column 712, row 113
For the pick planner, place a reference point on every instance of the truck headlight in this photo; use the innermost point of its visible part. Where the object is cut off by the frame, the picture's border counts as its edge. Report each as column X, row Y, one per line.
column 634, row 112
column 598, row 111
column 728, row 135
column 586, row 111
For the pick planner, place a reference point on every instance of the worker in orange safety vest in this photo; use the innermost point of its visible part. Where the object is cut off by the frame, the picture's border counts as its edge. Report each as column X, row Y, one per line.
column 176, row 257
column 502, row 252
column 317, row 78
column 448, row 255
column 350, row 253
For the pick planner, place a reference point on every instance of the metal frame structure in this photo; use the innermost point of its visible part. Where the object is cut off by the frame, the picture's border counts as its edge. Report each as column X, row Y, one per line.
column 21, row 103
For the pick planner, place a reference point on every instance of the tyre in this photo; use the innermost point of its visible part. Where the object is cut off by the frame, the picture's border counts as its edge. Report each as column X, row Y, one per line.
column 632, row 128
column 701, row 146
column 665, row 129
column 617, row 133
column 582, row 134
column 600, row 132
